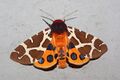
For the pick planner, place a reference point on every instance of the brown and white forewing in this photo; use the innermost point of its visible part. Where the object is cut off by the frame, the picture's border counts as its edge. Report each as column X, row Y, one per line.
column 32, row 49
column 87, row 43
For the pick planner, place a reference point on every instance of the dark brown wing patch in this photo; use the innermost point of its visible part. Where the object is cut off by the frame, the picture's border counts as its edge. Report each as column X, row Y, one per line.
column 82, row 36
column 36, row 54
column 36, row 40
column 73, row 40
column 46, row 43
column 85, row 50
column 21, row 50
column 100, row 49
column 17, row 55
column 23, row 60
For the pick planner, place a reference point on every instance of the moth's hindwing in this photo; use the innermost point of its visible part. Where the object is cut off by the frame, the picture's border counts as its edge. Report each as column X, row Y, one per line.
column 76, row 59
column 32, row 49
column 87, row 44
column 47, row 61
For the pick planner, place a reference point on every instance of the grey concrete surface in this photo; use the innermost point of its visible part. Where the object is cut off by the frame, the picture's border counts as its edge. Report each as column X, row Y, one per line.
column 20, row 19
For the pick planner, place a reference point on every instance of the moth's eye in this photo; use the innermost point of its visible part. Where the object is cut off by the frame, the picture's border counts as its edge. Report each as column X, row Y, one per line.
column 41, row 60
column 73, row 56
column 56, row 55
column 82, row 57
column 71, row 45
column 50, row 47
column 49, row 58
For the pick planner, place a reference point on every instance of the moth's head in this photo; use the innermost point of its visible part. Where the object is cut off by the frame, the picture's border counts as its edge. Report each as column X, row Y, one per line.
column 58, row 26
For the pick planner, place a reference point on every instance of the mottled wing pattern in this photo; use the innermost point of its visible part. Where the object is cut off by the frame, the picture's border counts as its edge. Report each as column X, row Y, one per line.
column 32, row 49
column 87, row 43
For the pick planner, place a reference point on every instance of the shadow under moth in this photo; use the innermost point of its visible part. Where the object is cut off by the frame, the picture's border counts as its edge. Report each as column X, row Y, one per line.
column 59, row 45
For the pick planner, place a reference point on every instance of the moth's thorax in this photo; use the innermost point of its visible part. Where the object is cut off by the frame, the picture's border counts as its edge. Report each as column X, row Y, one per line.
column 58, row 26
column 60, row 40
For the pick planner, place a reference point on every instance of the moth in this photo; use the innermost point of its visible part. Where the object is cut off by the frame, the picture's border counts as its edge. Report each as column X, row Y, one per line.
column 59, row 45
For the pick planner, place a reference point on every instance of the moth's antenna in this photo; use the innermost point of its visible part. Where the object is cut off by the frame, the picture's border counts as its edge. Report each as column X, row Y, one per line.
column 46, row 22
column 47, row 13
column 69, row 14
column 70, row 19
column 47, row 18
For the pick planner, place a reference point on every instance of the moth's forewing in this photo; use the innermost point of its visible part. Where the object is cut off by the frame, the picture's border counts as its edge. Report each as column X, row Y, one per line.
column 86, row 43
column 32, row 49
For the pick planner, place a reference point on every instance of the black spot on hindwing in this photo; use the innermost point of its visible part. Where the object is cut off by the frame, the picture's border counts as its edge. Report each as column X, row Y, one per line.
column 49, row 58
column 74, row 56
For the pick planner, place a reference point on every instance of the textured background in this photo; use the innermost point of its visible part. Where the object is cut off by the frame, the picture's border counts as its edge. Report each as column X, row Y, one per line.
column 20, row 19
